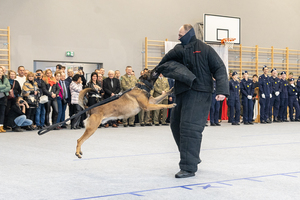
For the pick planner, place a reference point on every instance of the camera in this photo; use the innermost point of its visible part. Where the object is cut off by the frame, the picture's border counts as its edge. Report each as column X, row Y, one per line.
column 80, row 68
column 21, row 101
column 38, row 74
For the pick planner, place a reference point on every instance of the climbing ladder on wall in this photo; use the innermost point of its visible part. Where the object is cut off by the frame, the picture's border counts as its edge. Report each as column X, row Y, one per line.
column 5, row 47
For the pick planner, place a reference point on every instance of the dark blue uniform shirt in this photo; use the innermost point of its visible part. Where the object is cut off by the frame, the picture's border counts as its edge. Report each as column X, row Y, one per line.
column 265, row 86
column 276, row 87
column 284, row 90
column 247, row 87
column 234, row 87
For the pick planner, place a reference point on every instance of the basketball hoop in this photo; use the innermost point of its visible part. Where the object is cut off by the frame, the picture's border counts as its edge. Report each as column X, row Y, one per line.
column 228, row 42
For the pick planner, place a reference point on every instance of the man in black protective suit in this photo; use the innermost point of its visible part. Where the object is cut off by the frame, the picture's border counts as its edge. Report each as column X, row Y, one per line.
column 193, row 97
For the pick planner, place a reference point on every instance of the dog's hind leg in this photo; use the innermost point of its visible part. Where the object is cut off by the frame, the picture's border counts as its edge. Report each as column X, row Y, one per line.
column 91, row 126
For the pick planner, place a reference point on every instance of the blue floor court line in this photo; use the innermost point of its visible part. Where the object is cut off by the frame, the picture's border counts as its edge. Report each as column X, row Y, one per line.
column 222, row 148
column 207, row 185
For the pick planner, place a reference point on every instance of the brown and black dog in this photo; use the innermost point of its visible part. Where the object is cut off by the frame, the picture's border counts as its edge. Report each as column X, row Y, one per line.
column 129, row 104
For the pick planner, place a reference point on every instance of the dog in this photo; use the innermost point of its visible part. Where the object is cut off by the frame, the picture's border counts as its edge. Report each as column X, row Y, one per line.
column 129, row 104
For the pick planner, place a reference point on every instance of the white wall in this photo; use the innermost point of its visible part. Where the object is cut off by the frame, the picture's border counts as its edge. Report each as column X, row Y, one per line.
column 112, row 32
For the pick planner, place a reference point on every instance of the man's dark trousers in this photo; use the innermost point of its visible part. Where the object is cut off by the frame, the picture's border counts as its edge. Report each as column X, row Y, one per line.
column 187, row 123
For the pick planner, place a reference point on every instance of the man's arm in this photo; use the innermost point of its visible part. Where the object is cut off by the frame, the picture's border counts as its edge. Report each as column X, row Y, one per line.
column 218, row 71
column 175, row 54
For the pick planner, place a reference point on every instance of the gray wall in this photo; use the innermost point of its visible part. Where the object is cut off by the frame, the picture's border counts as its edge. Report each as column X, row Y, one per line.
column 112, row 32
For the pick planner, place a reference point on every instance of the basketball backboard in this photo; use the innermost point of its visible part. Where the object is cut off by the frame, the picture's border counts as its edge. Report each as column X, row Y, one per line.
column 217, row 27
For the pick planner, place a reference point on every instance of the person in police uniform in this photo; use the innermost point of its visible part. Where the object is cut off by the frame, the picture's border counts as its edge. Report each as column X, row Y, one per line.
column 128, row 81
column 161, row 86
column 234, row 99
column 293, row 101
column 247, row 90
column 214, row 108
column 265, row 91
column 298, row 88
column 283, row 98
column 275, row 100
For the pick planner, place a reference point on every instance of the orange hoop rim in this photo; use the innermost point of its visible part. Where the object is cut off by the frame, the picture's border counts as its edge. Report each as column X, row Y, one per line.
column 224, row 40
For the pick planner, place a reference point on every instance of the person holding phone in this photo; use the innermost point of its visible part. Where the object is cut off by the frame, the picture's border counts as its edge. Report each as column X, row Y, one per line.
column 17, row 117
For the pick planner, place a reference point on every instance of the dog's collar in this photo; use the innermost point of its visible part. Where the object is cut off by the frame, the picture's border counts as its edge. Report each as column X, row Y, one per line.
column 147, row 87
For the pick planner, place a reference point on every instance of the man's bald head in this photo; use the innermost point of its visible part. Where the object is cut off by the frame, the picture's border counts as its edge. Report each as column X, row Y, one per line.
column 184, row 29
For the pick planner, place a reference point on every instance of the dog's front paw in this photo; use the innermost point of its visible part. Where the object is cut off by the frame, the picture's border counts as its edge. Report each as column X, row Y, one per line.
column 173, row 105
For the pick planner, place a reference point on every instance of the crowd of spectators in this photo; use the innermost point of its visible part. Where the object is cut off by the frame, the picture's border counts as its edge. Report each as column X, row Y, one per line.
column 31, row 100
column 28, row 99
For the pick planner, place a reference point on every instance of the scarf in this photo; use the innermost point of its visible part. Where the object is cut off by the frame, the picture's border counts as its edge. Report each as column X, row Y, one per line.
column 11, row 81
column 51, row 82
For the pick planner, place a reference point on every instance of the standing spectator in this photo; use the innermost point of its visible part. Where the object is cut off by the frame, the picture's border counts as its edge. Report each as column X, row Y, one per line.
column 102, row 71
column 265, row 91
column 171, row 98
column 30, row 93
column 128, row 81
column 58, row 68
column 275, row 100
column 4, row 71
column 144, row 116
column 57, row 75
column 111, row 87
column 26, row 72
column 17, row 118
column 15, row 86
column 234, row 99
column 4, row 89
column 298, row 88
column 214, row 108
column 65, row 85
column 81, row 73
column 75, row 88
column 118, row 74
column 70, row 75
column 51, row 89
column 283, row 98
column 69, row 80
column 100, row 79
column 161, row 86
column 293, row 101
column 21, row 78
column 40, row 110
column 247, row 90
column 96, row 95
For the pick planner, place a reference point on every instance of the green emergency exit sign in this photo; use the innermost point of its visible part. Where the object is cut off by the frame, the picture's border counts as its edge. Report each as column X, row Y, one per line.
column 70, row 53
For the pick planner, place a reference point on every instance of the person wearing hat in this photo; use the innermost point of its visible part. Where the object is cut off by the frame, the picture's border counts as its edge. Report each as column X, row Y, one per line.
column 214, row 108
column 275, row 100
column 283, row 98
column 234, row 99
column 247, row 90
column 265, row 90
column 293, row 101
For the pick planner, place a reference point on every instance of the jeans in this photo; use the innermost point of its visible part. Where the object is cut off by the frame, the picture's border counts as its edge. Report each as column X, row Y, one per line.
column 58, row 99
column 63, row 112
column 22, row 121
column 40, row 115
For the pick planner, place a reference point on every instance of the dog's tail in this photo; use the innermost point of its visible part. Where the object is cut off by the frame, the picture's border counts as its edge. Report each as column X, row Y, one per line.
column 81, row 97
